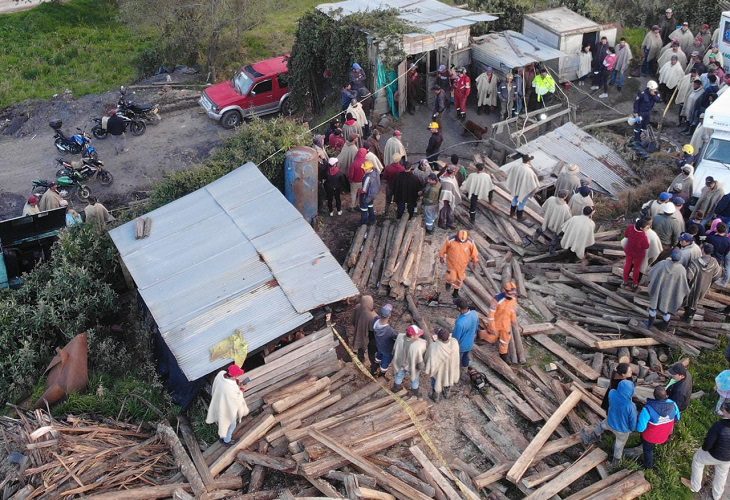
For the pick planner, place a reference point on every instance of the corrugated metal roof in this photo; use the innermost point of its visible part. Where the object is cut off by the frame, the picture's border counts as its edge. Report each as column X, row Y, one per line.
column 430, row 16
column 495, row 50
column 563, row 20
column 232, row 255
column 569, row 144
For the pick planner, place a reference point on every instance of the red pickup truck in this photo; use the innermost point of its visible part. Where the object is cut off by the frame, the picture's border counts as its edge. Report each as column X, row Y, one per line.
column 256, row 89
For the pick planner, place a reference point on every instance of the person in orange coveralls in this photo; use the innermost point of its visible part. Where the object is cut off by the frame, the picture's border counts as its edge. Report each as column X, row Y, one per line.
column 458, row 252
column 502, row 315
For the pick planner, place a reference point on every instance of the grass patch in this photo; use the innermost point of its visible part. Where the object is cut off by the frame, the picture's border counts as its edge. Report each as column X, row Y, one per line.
column 78, row 45
column 634, row 37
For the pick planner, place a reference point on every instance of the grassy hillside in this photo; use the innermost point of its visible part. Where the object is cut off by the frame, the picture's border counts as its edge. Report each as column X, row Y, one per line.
column 79, row 45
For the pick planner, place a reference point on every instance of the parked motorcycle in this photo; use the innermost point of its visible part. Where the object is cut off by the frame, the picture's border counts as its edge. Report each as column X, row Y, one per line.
column 135, row 126
column 64, row 182
column 88, row 168
column 150, row 113
column 75, row 144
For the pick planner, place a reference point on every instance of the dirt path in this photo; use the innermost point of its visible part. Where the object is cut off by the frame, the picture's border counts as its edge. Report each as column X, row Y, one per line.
column 181, row 139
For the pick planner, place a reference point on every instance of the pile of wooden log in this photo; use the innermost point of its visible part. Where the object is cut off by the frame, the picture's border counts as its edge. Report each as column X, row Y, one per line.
column 394, row 258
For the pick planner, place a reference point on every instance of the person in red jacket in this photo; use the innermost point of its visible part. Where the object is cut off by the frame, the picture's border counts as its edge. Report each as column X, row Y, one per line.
column 462, row 89
column 656, row 423
column 395, row 167
column 636, row 246
column 355, row 175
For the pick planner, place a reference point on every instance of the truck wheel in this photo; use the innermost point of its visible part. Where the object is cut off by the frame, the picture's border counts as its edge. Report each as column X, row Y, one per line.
column 286, row 107
column 231, row 119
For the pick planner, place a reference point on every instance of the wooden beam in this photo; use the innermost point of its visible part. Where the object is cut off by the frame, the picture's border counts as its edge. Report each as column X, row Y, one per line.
column 611, row 344
column 400, row 489
column 534, row 480
column 433, row 473
column 633, row 486
column 182, row 459
column 570, row 475
column 599, row 486
column 276, row 463
column 577, row 332
column 528, row 456
column 605, row 292
column 195, row 452
column 258, row 430
column 575, row 362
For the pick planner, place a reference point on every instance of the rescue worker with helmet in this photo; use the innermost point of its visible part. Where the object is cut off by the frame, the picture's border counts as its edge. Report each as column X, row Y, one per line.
column 457, row 253
column 688, row 156
column 502, row 316
column 434, row 142
column 544, row 85
column 643, row 105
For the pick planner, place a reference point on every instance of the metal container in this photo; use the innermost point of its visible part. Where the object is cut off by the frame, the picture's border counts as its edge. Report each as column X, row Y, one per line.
column 300, row 180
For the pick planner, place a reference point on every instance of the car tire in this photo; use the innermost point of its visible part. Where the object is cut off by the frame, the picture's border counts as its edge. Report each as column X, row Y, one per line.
column 286, row 107
column 231, row 119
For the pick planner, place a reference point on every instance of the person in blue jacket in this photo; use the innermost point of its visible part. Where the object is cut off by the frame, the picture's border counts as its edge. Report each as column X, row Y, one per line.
column 656, row 423
column 621, row 419
column 465, row 330
column 643, row 105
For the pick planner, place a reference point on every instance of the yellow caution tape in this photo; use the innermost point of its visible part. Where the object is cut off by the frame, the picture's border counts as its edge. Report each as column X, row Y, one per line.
column 409, row 411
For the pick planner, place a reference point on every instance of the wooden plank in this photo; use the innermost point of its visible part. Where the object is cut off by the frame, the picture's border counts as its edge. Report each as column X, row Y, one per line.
column 357, row 397
column 294, row 399
column 605, row 292
column 363, row 492
column 578, row 365
column 276, row 463
column 182, row 459
column 433, row 473
column 633, row 486
column 534, row 480
column 393, row 484
column 258, row 430
column 536, row 328
column 412, row 480
column 570, row 475
column 577, row 332
column 599, row 486
column 194, row 449
column 521, row 464
column 492, row 452
column 612, row 344
column 143, row 493
column 325, row 332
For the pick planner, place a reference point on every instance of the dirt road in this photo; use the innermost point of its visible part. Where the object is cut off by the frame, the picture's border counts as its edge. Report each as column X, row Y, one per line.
column 182, row 138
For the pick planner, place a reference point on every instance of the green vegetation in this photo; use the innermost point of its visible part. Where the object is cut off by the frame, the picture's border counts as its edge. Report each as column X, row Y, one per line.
column 78, row 45
column 256, row 141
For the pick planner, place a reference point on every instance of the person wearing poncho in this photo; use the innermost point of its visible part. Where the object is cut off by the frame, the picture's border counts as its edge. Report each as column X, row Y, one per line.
column 348, row 153
column 683, row 88
column 709, row 196
column 668, row 52
column 363, row 318
column 568, row 179
column 522, row 182
column 555, row 212
column 486, row 91
column 443, row 364
column 668, row 288
column 650, row 48
column 227, row 406
column 684, row 36
column 686, row 180
column 670, row 75
column 580, row 200
column 623, row 59
column 449, row 197
column 478, row 186
column 394, row 146
column 578, row 233
column 408, row 358
column 701, row 274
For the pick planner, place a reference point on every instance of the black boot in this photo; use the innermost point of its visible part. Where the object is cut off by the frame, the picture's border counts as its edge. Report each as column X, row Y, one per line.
column 650, row 322
column 455, row 293
column 397, row 387
column 688, row 314
column 520, row 214
column 472, row 217
column 446, row 392
column 414, row 393
column 664, row 326
column 479, row 110
column 512, row 211
column 505, row 358
column 435, row 396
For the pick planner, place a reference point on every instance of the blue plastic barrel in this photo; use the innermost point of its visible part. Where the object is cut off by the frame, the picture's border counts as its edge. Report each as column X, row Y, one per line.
column 300, row 180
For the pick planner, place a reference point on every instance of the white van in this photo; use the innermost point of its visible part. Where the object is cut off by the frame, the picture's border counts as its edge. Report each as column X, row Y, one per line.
column 715, row 155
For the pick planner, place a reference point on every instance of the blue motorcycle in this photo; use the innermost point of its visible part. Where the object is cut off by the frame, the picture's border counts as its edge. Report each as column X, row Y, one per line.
column 75, row 144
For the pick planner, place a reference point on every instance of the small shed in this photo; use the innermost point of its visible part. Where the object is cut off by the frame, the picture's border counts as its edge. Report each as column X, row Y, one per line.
column 567, row 31
column 568, row 144
column 232, row 256
column 506, row 50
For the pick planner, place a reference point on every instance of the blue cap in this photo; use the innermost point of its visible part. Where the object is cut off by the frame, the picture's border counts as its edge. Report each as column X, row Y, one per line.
column 356, row 66
column 678, row 200
column 386, row 310
column 686, row 237
column 676, row 255
column 584, row 190
column 665, row 196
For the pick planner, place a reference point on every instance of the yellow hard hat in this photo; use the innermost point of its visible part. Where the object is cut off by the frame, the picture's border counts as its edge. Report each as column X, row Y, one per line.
column 367, row 166
column 433, row 125
column 689, row 149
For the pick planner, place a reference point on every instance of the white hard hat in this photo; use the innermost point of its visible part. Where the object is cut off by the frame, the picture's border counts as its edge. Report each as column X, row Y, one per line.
column 669, row 208
column 652, row 85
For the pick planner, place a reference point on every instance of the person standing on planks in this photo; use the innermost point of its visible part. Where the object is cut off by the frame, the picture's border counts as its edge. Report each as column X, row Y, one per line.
column 701, row 274
column 621, row 419
column 667, row 289
column 406, row 189
column 522, row 182
column 656, row 423
column 478, row 186
column 715, row 451
column 465, row 330
column 363, row 318
column 408, row 358
column 385, row 336
column 227, row 406
column 578, row 233
column 637, row 244
column 430, row 201
column 502, row 316
column 442, row 364
column 458, row 253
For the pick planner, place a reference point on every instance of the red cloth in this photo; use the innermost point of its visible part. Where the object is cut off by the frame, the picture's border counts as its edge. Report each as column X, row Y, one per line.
column 462, row 89
column 357, row 173
column 637, row 244
column 632, row 263
column 658, row 433
column 336, row 142
column 391, row 172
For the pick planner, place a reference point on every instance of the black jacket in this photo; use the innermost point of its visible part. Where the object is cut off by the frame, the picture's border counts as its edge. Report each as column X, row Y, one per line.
column 406, row 188
column 434, row 144
column 613, row 384
column 680, row 392
column 717, row 441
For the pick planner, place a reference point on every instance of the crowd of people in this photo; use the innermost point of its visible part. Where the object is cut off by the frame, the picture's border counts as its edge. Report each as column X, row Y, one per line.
column 51, row 199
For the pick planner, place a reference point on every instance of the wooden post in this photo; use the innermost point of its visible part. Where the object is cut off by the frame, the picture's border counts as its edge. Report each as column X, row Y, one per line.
column 263, row 425
column 521, row 464
column 182, row 459
column 569, row 475
column 433, row 473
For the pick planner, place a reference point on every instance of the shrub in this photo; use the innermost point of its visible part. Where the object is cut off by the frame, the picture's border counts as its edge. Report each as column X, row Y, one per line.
column 263, row 142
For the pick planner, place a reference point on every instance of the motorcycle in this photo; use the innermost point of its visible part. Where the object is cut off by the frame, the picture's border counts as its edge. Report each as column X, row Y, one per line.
column 135, row 126
column 64, row 182
column 88, row 168
column 150, row 113
column 75, row 144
